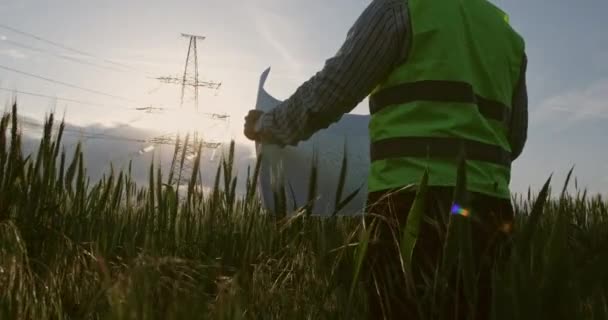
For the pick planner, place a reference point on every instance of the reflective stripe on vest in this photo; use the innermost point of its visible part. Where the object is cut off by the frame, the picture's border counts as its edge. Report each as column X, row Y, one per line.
column 439, row 91
column 447, row 148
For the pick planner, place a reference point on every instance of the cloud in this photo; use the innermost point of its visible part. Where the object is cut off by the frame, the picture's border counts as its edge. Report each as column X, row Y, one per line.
column 576, row 106
column 13, row 53
column 104, row 150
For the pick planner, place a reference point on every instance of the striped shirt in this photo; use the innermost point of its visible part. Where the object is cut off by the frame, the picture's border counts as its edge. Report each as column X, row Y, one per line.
column 376, row 44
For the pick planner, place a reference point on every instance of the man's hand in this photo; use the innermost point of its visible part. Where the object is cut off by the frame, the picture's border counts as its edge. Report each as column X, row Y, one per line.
column 250, row 125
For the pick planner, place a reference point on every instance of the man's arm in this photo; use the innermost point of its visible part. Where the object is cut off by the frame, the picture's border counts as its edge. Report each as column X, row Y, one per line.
column 519, row 120
column 375, row 44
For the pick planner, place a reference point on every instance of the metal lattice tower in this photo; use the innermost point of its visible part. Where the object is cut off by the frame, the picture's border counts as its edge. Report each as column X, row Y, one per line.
column 190, row 79
column 190, row 83
column 186, row 152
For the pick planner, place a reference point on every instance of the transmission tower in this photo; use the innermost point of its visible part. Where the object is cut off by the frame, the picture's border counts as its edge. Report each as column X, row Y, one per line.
column 190, row 83
column 190, row 79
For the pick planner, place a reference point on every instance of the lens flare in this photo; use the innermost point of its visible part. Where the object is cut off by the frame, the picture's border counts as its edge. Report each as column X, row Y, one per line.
column 459, row 210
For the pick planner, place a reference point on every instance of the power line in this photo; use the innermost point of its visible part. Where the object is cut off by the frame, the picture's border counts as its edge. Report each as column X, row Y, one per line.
column 60, row 56
column 79, row 102
column 84, row 138
column 85, row 103
column 102, row 133
column 66, row 84
column 148, row 144
column 74, row 50
column 169, row 139
column 214, row 116
column 88, row 135
column 73, row 59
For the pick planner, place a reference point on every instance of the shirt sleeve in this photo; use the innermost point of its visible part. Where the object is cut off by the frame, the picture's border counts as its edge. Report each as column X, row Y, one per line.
column 519, row 121
column 375, row 45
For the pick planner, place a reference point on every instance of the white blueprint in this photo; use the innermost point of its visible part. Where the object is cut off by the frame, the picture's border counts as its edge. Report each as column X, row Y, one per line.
column 293, row 164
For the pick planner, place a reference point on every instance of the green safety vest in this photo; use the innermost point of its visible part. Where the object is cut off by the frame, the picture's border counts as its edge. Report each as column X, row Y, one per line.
column 454, row 92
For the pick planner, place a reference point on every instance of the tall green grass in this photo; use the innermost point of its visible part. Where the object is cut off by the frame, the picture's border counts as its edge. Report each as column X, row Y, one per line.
column 71, row 248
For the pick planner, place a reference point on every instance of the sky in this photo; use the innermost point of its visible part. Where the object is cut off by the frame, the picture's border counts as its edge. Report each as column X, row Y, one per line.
column 567, row 47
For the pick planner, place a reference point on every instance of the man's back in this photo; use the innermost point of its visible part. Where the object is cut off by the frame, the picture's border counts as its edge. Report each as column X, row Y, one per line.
column 452, row 94
column 378, row 42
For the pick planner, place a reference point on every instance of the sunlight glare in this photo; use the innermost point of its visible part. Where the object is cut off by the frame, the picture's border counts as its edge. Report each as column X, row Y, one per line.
column 187, row 121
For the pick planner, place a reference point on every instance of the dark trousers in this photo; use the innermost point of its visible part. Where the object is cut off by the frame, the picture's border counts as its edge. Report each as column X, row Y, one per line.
column 390, row 289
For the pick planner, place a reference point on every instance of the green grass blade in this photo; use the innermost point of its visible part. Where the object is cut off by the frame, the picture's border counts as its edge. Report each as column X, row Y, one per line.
column 312, row 184
column 346, row 201
column 531, row 225
column 409, row 235
column 341, row 180
column 360, row 256
column 566, row 183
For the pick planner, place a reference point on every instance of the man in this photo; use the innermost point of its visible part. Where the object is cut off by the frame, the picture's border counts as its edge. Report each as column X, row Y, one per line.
column 444, row 76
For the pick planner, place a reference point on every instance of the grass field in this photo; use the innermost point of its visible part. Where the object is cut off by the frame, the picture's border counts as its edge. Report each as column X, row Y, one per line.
column 71, row 248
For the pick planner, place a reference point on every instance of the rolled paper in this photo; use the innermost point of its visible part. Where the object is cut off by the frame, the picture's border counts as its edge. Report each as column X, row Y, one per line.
column 291, row 166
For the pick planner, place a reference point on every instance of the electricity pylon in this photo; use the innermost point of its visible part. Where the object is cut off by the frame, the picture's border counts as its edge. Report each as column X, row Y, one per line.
column 190, row 79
